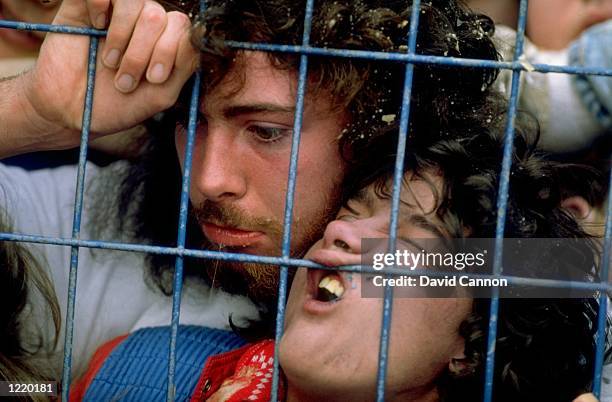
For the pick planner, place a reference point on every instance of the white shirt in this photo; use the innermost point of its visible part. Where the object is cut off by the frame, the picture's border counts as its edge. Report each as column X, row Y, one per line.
column 112, row 297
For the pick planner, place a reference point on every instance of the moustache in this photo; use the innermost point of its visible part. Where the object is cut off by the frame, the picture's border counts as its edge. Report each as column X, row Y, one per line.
column 233, row 216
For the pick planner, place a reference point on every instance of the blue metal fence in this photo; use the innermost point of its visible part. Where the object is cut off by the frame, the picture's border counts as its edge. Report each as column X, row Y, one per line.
column 284, row 261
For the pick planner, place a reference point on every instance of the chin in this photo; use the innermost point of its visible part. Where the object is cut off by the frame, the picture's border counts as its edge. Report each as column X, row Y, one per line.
column 323, row 367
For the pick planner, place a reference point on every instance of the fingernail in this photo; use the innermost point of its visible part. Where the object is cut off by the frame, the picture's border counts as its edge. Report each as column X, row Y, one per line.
column 125, row 83
column 101, row 21
column 112, row 58
column 157, row 73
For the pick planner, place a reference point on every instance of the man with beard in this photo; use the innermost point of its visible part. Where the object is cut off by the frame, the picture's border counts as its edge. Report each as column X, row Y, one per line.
column 241, row 155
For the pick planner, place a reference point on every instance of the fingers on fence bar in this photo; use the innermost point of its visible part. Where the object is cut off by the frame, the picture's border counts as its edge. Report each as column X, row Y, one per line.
column 132, row 35
column 98, row 12
column 167, row 47
column 158, row 45
column 123, row 23
column 142, row 38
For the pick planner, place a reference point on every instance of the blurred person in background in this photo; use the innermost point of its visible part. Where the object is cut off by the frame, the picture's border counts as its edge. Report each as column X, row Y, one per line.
column 572, row 110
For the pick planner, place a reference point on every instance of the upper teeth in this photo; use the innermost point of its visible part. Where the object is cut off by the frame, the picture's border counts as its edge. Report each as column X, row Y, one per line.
column 332, row 285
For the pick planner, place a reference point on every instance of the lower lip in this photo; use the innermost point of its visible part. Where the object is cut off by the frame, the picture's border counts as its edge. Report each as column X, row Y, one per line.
column 230, row 237
column 316, row 307
column 21, row 39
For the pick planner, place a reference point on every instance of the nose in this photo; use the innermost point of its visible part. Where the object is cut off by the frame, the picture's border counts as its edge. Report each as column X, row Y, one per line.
column 344, row 235
column 218, row 174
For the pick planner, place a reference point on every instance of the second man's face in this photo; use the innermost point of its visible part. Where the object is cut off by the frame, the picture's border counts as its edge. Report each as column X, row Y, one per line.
column 14, row 43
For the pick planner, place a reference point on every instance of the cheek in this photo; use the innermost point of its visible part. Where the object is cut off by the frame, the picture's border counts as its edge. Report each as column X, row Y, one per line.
column 319, row 179
column 425, row 338
column 298, row 287
column 179, row 142
column 320, row 175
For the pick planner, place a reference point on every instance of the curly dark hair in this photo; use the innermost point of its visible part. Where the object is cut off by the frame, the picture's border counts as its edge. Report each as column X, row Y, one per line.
column 444, row 101
column 21, row 277
column 545, row 347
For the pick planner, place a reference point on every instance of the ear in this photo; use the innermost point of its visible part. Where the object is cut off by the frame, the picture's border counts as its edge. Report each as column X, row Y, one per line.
column 577, row 206
column 460, row 365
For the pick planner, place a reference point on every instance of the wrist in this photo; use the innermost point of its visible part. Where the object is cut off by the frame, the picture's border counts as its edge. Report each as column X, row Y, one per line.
column 23, row 128
column 38, row 132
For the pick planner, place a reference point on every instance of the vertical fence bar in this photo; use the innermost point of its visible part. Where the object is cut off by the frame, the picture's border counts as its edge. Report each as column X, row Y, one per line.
column 289, row 201
column 383, row 350
column 602, row 316
column 182, row 235
column 76, row 223
column 177, row 288
column 402, row 140
column 502, row 202
column 387, row 311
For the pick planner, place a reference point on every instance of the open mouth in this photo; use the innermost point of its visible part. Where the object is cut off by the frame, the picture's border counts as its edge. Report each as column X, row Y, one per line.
column 330, row 289
column 326, row 286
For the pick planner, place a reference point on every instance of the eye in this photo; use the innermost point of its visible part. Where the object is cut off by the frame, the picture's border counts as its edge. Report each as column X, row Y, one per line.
column 346, row 217
column 348, row 214
column 269, row 134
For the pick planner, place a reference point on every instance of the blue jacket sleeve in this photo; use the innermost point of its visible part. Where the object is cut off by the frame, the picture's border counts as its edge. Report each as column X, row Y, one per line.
column 594, row 49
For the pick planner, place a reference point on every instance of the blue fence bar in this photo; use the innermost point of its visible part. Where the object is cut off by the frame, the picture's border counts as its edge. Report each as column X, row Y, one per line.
column 78, row 210
column 182, row 233
column 25, row 26
column 295, row 262
column 419, row 58
column 285, row 260
column 502, row 202
column 603, row 299
column 347, row 53
column 289, row 201
column 398, row 175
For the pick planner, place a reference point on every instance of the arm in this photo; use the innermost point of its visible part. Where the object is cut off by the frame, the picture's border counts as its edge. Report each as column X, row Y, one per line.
column 21, row 129
column 592, row 49
column 42, row 109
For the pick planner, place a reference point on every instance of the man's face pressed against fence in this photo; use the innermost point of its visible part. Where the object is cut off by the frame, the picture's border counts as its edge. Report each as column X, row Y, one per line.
column 329, row 350
column 241, row 163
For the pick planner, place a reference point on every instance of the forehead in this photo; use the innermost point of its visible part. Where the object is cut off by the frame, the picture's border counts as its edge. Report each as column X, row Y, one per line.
column 420, row 198
column 253, row 79
column 419, row 193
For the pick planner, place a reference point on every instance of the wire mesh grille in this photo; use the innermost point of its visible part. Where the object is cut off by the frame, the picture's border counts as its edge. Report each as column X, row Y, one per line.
column 410, row 58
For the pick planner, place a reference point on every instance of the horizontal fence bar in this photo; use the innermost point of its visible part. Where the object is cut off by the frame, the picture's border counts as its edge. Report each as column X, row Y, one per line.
column 293, row 262
column 285, row 261
column 348, row 53
column 66, row 29
column 421, row 59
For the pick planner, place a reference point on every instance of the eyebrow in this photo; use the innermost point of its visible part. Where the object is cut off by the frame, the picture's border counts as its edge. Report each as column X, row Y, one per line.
column 422, row 222
column 364, row 196
column 239, row 110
